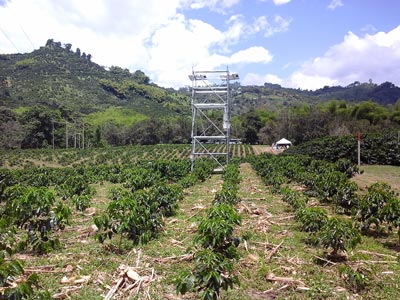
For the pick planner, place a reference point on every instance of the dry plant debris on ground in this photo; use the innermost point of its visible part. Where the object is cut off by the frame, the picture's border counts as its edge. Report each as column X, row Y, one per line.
column 276, row 262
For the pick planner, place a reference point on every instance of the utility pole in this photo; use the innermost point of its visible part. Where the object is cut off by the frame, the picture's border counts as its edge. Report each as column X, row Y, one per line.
column 358, row 148
column 83, row 136
column 66, row 134
column 74, row 134
column 52, row 132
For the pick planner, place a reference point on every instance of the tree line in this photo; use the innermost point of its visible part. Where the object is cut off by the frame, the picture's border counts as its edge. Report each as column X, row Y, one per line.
column 302, row 122
column 43, row 126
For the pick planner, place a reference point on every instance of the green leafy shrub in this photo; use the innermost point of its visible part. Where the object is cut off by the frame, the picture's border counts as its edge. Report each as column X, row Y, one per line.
column 81, row 202
column 165, row 198
column 294, row 198
column 346, row 197
column 355, row 279
column 328, row 183
column 37, row 211
column 126, row 217
column 382, row 149
column 212, row 273
column 140, row 178
column 74, row 185
column 338, row 234
column 372, row 205
column 216, row 230
column 228, row 194
column 188, row 180
column 137, row 216
column 312, row 219
column 213, row 270
column 10, row 270
column 347, row 167
column 203, row 169
column 391, row 213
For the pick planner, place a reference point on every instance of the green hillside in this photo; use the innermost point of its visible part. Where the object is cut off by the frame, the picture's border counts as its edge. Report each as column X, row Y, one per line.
column 54, row 95
column 57, row 77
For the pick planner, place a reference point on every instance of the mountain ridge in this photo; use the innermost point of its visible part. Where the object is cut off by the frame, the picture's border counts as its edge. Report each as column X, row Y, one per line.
column 43, row 91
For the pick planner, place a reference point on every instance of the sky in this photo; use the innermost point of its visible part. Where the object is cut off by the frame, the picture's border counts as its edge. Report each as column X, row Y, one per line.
column 304, row 44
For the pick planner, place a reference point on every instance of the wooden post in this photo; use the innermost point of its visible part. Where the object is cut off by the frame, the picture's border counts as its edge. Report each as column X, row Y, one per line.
column 83, row 136
column 66, row 134
column 359, row 148
column 74, row 134
column 52, row 133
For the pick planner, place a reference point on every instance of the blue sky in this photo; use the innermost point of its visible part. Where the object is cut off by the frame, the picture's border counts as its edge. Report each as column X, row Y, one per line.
column 296, row 43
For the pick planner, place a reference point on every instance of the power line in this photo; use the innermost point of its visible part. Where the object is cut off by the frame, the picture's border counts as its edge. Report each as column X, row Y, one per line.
column 1, row 29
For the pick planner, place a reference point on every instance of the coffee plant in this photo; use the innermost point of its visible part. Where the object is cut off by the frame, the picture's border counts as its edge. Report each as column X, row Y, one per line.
column 74, row 185
column 346, row 198
column 212, row 273
column 374, row 206
column 81, row 202
column 213, row 270
column 216, row 230
column 391, row 214
column 126, row 217
column 28, row 288
column 312, row 219
column 356, row 279
column 37, row 212
column 137, row 215
column 140, row 178
column 294, row 198
column 347, row 167
column 382, row 149
column 339, row 235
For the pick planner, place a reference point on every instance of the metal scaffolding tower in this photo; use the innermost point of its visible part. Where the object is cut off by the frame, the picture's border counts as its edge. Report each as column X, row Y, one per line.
column 211, row 113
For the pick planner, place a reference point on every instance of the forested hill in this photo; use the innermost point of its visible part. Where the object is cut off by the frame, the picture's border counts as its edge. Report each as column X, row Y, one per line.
column 55, row 95
column 384, row 94
column 58, row 77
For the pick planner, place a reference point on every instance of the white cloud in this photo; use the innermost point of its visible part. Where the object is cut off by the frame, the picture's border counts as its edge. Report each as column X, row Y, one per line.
column 251, row 55
column 113, row 36
column 281, row 25
column 178, row 46
column 310, row 82
column 238, row 27
column 271, row 78
column 213, row 5
column 280, row 2
column 335, row 4
column 137, row 34
column 369, row 28
column 375, row 57
column 257, row 79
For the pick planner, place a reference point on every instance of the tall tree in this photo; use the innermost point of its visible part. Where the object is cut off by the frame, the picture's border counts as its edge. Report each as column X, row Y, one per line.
column 252, row 124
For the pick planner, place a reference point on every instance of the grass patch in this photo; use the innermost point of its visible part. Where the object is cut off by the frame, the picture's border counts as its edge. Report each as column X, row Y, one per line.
column 21, row 109
column 378, row 173
column 117, row 115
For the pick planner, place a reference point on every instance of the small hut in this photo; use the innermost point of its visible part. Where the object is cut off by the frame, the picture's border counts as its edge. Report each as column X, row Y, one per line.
column 282, row 144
